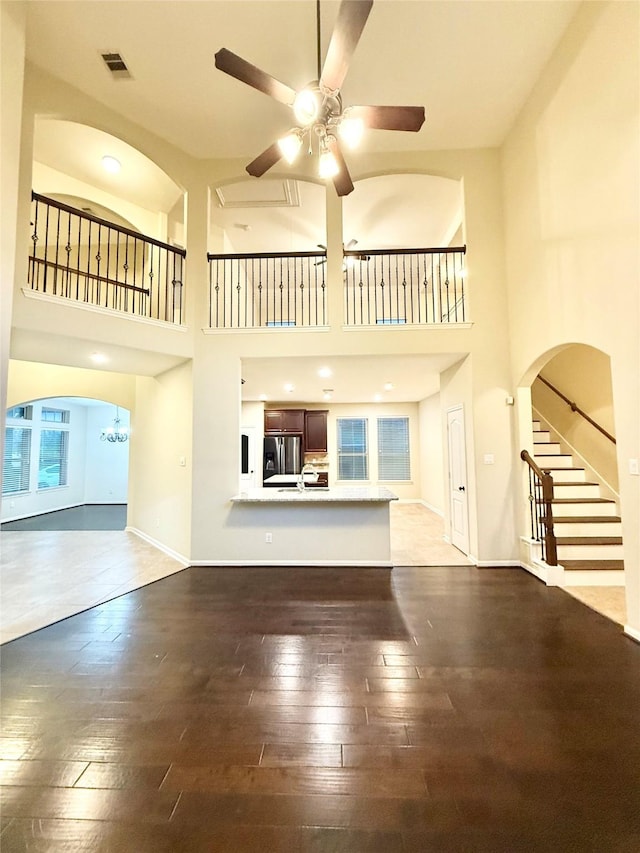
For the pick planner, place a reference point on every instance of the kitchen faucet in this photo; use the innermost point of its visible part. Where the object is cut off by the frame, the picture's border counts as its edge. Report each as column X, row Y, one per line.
column 306, row 469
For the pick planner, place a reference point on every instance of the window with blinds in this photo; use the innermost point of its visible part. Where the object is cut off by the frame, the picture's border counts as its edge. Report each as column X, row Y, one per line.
column 16, row 461
column 56, row 416
column 53, row 463
column 353, row 461
column 393, row 449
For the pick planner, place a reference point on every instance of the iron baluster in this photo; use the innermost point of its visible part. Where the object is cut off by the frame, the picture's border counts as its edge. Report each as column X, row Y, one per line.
column 67, row 249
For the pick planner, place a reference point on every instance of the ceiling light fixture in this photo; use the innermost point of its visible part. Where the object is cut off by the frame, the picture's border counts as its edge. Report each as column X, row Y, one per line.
column 388, row 386
column 110, row 164
column 326, row 393
column 98, row 358
column 290, row 145
column 327, row 165
column 115, row 433
column 324, row 372
column 351, row 131
column 289, row 387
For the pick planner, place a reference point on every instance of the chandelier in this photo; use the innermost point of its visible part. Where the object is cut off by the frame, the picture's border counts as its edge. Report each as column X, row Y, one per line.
column 116, row 432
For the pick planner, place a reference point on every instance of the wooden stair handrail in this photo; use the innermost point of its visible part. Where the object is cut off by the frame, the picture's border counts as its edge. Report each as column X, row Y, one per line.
column 575, row 408
column 550, row 543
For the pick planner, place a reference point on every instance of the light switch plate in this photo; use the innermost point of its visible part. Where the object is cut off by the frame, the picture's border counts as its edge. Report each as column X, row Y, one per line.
column 488, row 459
column 634, row 467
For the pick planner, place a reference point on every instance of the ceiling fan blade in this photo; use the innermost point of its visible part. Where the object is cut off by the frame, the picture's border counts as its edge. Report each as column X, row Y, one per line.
column 390, row 118
column 265, row 161
column 342, row 181
column 247, row 73
column 352, row 16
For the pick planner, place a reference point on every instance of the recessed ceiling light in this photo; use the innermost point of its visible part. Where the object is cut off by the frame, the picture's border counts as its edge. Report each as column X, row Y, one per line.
column 324, row 372
column 263, row 396
column 111, row 164
column 288, row 387
column 388, row 386
column 377, row 398
column 326, row 394
column 98, row 358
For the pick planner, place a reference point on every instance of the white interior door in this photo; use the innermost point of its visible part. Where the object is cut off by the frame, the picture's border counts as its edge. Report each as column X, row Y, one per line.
column 248, row 460
column 458, row 502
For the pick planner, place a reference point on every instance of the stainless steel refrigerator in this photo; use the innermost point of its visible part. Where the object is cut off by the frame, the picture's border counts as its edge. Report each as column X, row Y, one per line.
column 282, row 455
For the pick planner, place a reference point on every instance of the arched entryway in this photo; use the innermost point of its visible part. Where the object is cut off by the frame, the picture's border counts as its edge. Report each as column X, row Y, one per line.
column 570, row 437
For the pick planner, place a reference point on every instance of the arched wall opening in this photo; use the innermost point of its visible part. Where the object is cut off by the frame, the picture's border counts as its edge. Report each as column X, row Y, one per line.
column 568, row 392
column 68, row 165
column 59, row 454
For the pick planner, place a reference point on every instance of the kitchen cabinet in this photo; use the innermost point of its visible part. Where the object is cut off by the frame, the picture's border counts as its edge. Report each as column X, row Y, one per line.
column 315, row 431
column 283, row 421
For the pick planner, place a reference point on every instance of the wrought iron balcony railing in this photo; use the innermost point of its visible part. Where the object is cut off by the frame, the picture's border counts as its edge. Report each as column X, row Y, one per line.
column 267, row 290
column 405, row 286
column 80, row 257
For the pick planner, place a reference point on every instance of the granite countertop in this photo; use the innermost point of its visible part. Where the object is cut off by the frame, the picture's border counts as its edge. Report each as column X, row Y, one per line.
column 350, row 494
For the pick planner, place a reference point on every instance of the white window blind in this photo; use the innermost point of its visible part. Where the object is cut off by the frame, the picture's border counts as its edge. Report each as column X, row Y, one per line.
column 353, row 462
column 53, row 464
column 56, row 416
column 393, row 449
column 16, row 461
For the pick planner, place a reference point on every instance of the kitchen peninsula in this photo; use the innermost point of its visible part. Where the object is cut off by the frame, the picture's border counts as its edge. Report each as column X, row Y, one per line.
column 342, row 526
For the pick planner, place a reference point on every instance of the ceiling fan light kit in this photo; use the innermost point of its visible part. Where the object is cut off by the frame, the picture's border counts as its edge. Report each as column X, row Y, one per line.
column 318, row 106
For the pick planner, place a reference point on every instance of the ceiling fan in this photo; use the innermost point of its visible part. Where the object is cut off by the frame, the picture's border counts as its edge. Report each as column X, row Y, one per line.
column 349, row 260
column 317, row 107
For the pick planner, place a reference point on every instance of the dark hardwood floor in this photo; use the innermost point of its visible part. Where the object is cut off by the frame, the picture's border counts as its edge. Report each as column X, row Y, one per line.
column 324, row 710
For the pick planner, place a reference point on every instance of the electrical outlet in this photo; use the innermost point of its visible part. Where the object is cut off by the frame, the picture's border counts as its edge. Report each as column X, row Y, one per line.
column 268, row 538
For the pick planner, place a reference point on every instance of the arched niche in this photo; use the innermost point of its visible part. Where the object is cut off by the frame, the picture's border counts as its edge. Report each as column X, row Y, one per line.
column 68, row 166
column 404, row 211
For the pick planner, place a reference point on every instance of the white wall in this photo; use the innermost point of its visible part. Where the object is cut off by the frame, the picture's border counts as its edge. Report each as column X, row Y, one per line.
column 571, row 176
column 106, row 473
column 48, row 181
column 12, row 53
column 431, row 453
column 162, row 459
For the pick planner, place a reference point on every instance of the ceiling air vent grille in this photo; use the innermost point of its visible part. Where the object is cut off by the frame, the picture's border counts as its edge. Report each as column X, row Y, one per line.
column 116, row 65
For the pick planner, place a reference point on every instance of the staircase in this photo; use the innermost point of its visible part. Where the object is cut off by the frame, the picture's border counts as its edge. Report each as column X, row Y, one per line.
column 588, row 528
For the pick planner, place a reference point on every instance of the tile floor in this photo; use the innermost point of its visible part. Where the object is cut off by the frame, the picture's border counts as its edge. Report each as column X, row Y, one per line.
column 48, row 575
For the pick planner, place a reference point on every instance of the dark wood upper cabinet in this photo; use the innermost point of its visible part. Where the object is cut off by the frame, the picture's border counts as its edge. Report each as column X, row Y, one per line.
column 283, row 421
column 315, row 431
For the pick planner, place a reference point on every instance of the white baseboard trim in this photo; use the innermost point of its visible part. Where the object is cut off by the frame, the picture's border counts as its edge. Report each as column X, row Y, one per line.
column 160, row 546
column 497, row 564
column 431, row 508
column 550, row 575
column 632, row 632
column 346, row 564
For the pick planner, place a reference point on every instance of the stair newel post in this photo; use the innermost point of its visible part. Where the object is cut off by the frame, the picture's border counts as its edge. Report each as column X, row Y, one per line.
column 551, row 557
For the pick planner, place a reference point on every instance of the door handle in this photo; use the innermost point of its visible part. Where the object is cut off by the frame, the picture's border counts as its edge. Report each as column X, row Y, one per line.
column 461, row 488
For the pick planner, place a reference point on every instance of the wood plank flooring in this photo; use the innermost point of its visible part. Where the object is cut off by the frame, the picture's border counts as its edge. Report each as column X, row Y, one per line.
column 324, row 710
